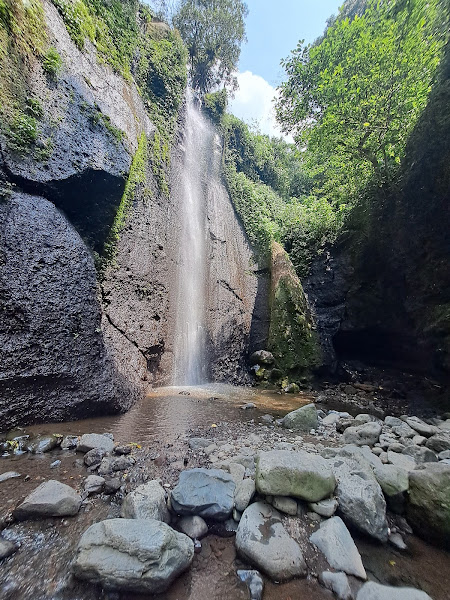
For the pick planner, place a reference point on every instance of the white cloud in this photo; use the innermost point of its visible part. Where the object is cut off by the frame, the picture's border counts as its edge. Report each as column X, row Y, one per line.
column 253, row 102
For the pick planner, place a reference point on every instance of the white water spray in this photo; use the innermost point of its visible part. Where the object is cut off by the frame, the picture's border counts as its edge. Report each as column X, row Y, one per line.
column 190, row 366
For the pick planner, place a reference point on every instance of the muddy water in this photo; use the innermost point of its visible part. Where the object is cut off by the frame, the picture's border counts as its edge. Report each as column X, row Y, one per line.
column 40, row 570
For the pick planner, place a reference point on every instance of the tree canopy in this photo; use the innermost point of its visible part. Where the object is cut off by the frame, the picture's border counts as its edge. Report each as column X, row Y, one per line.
column 213, row 31
column 353, row 98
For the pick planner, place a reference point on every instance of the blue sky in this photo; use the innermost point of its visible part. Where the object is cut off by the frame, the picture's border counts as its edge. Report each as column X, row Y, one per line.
column 273, row 30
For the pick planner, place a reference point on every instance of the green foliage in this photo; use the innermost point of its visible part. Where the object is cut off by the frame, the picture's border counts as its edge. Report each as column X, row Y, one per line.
column 52, row 62
column 213, row 32
column 96, row 117
column 34, row 108
column 22, row 132
column 136, row 178
column 354, row 98
column 78, row 20
column 215, row 105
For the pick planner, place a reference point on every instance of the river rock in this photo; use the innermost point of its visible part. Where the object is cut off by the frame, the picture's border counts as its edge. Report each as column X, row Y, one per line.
column 42, row 443
column 303, row 419
column 196, row 443
column 244, row 493
column 93, row 484
column 363, row 435
column 112, row 464
column 89, row 441
column 403, row 461
column 439, row 442
column 335, row 542
column 94, row 457
column 421, row 455
column 393, row 480
column 147, row 501
column 428, row 507
column 288, row 506
column 254, row 582
column 9, row 475
column 337, row 583
column 297, row 474
column 208, row 493
column 194, row 527
column 7, row 548
column 375, row 591
column 331, row 419
column 262, row 540
column 262, row 357
column 141, row 556
column 69, row 442
column 361, row 500
column 421, row 427
column 51, row 499
column 325, row 508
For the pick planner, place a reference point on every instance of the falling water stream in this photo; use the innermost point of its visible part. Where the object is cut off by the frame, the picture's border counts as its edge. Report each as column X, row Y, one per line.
column 189, row 353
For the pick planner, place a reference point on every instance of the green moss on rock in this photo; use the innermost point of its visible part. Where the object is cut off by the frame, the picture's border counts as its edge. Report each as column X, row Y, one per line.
column 293, row 339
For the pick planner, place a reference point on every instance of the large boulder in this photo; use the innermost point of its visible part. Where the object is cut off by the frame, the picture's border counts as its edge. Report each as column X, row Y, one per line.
column 361, row 500
column 363, row 435
column 303, row 419
column 208, row 493
column 375, row 591
column 147, row 501
column 439, row 442
column 297, row 474
column 51, row 499
column 428, row 507
column 142, row 556
column 393, row 480
column 335, row 542
column 263, row 541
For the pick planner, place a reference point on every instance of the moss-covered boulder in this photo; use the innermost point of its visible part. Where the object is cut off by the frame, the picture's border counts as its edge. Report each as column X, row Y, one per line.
column 293, row 339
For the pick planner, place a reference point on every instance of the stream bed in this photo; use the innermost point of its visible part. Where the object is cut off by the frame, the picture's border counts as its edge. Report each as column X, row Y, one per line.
column 160, row 426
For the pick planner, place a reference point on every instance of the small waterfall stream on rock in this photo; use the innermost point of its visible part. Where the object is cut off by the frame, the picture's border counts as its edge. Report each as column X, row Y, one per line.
column 197, row 176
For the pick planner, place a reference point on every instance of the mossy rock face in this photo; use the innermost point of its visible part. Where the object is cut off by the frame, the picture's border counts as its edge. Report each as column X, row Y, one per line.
column 293, row 340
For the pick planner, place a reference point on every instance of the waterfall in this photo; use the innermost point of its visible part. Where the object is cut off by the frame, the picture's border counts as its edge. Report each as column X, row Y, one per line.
column 190, row 364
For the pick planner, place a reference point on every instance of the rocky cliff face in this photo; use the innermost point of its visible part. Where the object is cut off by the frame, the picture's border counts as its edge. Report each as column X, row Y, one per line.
column 73, row 343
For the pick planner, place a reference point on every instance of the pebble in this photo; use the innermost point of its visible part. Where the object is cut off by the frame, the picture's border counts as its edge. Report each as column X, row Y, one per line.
column 9, row 475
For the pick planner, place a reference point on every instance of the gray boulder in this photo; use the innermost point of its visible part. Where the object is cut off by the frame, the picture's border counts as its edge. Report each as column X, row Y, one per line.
column 337, row 583
column 393, row 480
column 439, row 442
column 335, row 542
column 363, row 435
column 297, row 474
column 112, row 464
column 194, row 527
column 141, row 556
column 420, row 454
column 421, row 427
column 262, row 540
column 361, row 500
column 43, row 443
column 89, row 441
column 69, row 442
column 302, row 419
column 285, row 505
column 375, row 591
column 403, row 461
column 94, row 484
column 428, row 508
column 51, row 499
column 244, row 493
column 208, row 493
column 147, row 501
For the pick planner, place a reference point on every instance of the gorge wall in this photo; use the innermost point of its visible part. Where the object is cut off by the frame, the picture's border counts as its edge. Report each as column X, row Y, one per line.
column 75, row 343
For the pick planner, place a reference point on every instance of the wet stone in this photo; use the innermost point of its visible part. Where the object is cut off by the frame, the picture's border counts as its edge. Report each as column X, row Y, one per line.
column 263, row 541
column 69, row 442
column 147, row 501
column 93, row 484
column 111, row 486
column 208, row 493
column 254, row 582
column 41, row 444
column 113, row 464
column 89, row 441
column 194, row 527
column 9, row 475
column 94, row 457
column 7, row 548
column 50, row 499
column 337, row 583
